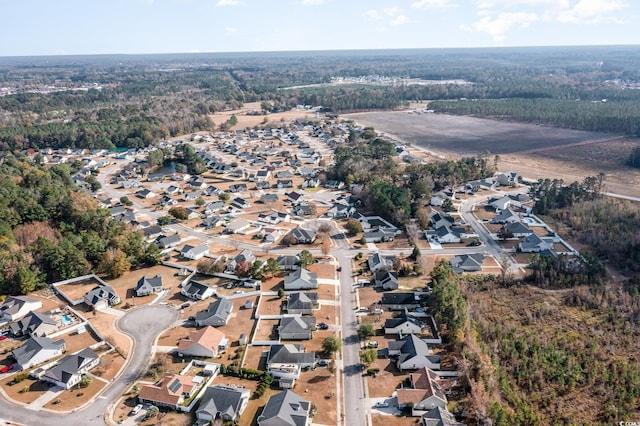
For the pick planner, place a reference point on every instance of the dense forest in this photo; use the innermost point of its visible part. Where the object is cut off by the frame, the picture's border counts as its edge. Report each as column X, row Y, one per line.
column 50, row 231
column 130, row 101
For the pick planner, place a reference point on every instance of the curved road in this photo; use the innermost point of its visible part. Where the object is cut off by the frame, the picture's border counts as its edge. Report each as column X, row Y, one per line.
column 144, row 324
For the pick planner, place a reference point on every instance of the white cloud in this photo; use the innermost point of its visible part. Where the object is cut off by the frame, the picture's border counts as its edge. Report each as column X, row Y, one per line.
column 223, row 3
column 400, row 20
column 230, row 31
column 593, row 11
column 391, row 11
column 499, row 26
column 432, row 4
column 312, row 2
column 373, row 14
column 490, row 4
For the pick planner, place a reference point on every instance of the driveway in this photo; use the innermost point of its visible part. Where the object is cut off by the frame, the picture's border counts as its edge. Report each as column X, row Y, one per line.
column 144, row 324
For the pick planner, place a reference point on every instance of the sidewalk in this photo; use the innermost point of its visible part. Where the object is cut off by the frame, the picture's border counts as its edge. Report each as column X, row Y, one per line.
column 45, row 398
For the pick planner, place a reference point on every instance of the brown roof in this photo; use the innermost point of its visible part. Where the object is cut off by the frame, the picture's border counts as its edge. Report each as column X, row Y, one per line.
column 209, row 337
column 168, row 392
column 424, row 386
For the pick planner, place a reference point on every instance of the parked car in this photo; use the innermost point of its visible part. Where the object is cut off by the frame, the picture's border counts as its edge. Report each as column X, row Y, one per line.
column 4, row 336
column 339, row 269
column 323, row 326
column 381, row 405
column 136, row 409
column 323, row 363
column 6, row 369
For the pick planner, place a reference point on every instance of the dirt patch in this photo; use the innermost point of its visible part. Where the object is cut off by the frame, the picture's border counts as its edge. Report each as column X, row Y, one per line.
column 104, row 324
column 256, row 357
column 319, row 387
column 387, row 380
column 382, row 420
column 267, row 330
column 77, row 290
column 125, row 285
column 75, row 342
column 110, row 364
column 324, row 270
column 72, row 398
column 34, row 389
column 270, row 305
column 249, row 121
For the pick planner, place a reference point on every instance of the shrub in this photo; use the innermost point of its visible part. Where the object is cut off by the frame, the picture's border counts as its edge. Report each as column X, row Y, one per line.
column 372, row 371
column 24, row 389
column 21, row 377
column 57, row 401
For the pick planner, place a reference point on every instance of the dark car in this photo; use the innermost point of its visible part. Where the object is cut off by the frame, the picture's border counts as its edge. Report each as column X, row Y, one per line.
column 323, row 326
column 339, row 268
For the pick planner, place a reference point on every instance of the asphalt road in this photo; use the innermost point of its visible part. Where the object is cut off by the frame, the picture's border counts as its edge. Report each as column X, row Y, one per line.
column 143, row 324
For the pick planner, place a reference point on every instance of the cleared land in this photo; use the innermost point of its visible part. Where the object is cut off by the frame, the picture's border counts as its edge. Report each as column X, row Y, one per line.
column 532, row 151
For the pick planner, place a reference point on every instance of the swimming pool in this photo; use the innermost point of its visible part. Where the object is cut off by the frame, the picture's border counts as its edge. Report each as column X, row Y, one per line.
column 529, row 220
column 66, row 319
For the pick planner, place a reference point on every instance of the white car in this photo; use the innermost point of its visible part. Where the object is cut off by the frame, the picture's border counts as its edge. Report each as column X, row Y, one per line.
column 381, row 404
column 136, row 409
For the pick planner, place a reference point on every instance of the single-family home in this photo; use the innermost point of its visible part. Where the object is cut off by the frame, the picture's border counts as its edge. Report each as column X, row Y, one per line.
column 423, row 393
column 378, row 262
column 403, row 325
column 379, row 235
column 467, row 262
column 412, row 354
column 287, row 360
column 534, row 244
column 300, row 279
column 211, row 190
column 296, row 328
column 197, row 291
column 444, row 235
column 289, row 262
column 217, row 313
column 311, row 183
column 37, row 350
column 500, row 204
column 245, row 256
column 274, row 217
column 262, row 175
column 69, row 370
column 334, row 185
column 15, row 307
column 237, row 187
column 303, row 209
column 145, row 194
column 284, row 174
column 191, row 196
column 240, row 203
column 222, row 402
column 169, row 241
column 172, row 190
column 269, row 198
column 294, row 197
column 194, row 252
column 400, row 301
column 197, row 183
column 167, row 201
column 438, row 220
column 193, row 213
column 285, row 409
column 302, row 236
column 172, row 391
column 151, row 232
column 341, row 211
column 439, row 417
column 207, row 342
column 506, row 216
column 386, row 280
column 237, row 226
column 34, row 324
column 284, row 183
column 213, row 207
column 517, row 230
column 148, row 285
column 263, row 185
column 302, row 302
column 101, row 297
column 211, row 222
column 507, row 179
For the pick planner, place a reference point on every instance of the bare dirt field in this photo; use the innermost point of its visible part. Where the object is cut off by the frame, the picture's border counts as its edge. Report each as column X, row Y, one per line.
column 245, row 121
column 74, row 397
column 532, row 151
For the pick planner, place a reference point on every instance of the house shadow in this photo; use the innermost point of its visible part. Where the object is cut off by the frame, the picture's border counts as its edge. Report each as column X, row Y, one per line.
column 393, row 369
column 318, row 379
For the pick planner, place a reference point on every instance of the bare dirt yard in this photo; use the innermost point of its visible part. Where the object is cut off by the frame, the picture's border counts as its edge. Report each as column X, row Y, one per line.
column 532, row 151
column 245, row 120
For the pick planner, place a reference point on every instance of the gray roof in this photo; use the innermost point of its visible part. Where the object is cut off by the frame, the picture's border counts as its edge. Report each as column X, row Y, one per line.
column 30, row 323
column 170, row 240
column 195, row 287
column 467, row 262
column 101, row 292
column 302, row 300
column 517, row 228
column 33, row 346
column 296, row 324
column 386, row 279
column 223, row 399
column 13, row 304
column 303, row 234
column 399, row 299
column 288, row 260
column 401, row 319
column 70, row 365
column 149, row 283
column 439, row 416
column 410, row 347
column 290, row 354
column 285, row 408
column 218, row 311
column 197, row 250
column 505, row 215
column 301, row 276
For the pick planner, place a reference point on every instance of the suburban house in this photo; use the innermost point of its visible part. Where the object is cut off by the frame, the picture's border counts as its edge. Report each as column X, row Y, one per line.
column 15, row 307
column 423, row 393
column 443, row 234
column 385, row 280
column 506, row 216
column 340, row 211
column 379, row 235
column 213, row 207
column 238, row 187
column 101, row 297
column 194, row 252
column 274, row 217
column 400, row 301
column 207, row 342
column 516, row 230
column 438, row 220
column 500, row 204
column 302, row 236
column 263, row 185
column 403, row 325
column 222, row 402
column 378, row 262
column 191, row 196
column 289, row 262
column 535, row 244
column 151, row 232
column 245, row 256
column 334, row 185
column 193, row 213
column 300, row 279
column 217, row 313
column 145, row 194
column 439, row 417
column 284, row 183
column 240, row 203
column 172, row 190
column 285, row 409
column 262, row 175
column 69, row 370
column 269, row 198
column 296, row 328
column 211, row 190
column 37, row 350
column 412, row 354
column 236, row 226
column 287, row 360
column 197, row 291
column 269, row 235
column 301, row 209
column 467, row 262
column 302, row 302
column 147, row 286
column 34, row 324
column 170, row 392
column 170, row 241
column 294, row 197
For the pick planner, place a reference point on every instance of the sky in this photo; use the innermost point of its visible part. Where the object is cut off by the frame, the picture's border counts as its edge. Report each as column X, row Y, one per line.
column 71, row 27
